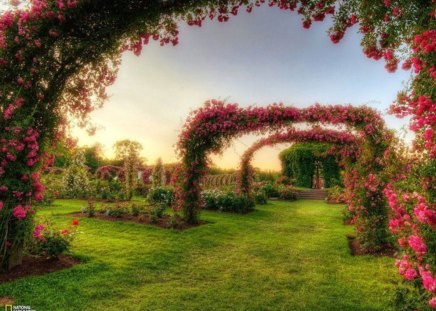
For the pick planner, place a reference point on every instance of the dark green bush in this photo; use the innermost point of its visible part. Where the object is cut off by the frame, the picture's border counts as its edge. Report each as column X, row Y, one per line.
column 161, row 195
column 260, row 197
column 118, row 210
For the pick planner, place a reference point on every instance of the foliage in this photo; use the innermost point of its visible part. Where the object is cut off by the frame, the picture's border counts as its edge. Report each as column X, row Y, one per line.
column 90, row 209
column 260, row 197
column 245, row 178
column 268, row 188
column 298, row 163
column 161, row 195
column 227, row 202
column 158, row 175
column 50, row 241
column 336, row 195
column 128, row 151
column 157, row 212
column 287, row 193
column 54, row 188
column 107, row 190
column 93, row 157
column 413, row 222
column 117, row 210
column 76, row 181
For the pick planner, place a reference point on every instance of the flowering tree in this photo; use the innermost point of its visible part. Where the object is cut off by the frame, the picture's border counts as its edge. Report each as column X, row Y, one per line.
column 55, row 55
column 245, row 177
column 128, row 151
column 158, row 176
column 76, row 181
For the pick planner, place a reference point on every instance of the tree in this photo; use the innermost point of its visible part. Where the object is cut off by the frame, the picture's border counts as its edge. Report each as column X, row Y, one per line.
column 76, row 182
column 93, row 157
column 158, row 175
column 128, row 151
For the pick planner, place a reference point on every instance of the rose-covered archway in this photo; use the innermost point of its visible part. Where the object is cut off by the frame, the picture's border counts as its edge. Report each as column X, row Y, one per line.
column 57, row 55
column 344, row 144
column 213, row 126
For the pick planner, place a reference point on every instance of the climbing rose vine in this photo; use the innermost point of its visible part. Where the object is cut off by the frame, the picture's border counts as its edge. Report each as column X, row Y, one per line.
column 213, row 126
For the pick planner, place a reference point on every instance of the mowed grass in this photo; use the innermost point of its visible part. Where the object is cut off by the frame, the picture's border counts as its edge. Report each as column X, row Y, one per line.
column 283, row 256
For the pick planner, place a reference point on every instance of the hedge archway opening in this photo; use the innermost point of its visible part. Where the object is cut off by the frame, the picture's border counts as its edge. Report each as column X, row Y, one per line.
column 343, row 143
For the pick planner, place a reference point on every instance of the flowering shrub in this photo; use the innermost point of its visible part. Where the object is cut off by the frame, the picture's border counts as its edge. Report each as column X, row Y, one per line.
column 161, row 195
column 227, row 202
column 76, row 181
column 336, row 195
column 413, row 223
column 50, row 241
column 287, row 193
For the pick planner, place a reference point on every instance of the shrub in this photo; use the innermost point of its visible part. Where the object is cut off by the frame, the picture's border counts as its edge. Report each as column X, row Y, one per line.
column 157, row 212
column 227, row 202
column 108, row 190
column 268, row 188
column 136, row 210
column 260, row 197
column 161, row 195
column 50, row 241
column 89, row 210
column 287, row 193
column 336, row 194
column 118, row 210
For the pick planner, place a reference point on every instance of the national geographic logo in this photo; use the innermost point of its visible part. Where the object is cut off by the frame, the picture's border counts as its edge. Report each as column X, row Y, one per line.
column 18, row 308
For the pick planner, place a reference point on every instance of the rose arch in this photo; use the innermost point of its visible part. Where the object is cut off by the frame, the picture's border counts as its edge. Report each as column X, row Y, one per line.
column 215, row 124
column 58, row 56
column 343, row 139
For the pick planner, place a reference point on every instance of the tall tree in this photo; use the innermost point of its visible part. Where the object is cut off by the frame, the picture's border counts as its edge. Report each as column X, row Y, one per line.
column 129, row 152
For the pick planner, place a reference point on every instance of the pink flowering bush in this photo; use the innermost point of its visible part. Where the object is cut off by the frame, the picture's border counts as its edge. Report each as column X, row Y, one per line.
column 50, row 241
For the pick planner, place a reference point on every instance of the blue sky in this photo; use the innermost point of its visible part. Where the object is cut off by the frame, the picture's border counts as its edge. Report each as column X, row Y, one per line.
column 257, row 58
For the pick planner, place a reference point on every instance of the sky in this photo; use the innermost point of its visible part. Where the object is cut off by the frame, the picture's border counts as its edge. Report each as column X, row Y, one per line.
column 254, row 59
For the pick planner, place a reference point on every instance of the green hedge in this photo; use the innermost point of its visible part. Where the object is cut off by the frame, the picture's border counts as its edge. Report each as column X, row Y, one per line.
column 298, row 163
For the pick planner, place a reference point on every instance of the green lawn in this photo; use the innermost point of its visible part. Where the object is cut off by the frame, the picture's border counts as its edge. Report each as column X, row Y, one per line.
column 283, row 256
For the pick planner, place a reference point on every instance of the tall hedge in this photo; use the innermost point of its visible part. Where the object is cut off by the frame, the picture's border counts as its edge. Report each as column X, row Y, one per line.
column 298, row 163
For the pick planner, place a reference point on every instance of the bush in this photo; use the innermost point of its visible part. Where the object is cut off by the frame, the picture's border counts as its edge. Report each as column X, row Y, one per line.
column 89, row 210
column 227, row 202
column 287, row 193
column 108, row 190
column 118, row 210
column 161, row 195
column 336, row 194
column 260, row 197
column 157, row 212
column 50, row 241
column 136, row 210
